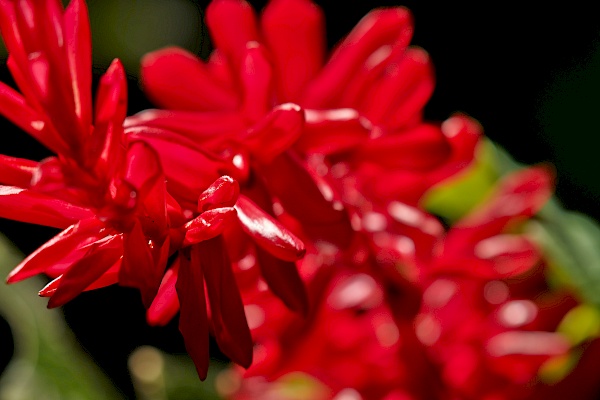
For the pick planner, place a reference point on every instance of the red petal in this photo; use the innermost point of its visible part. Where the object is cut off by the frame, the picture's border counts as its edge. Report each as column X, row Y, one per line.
column 288, row 180
column 267, row 232
column 275, row 133
column 231, row 24
column 193, row 323
column 208, row 225
column 166, row 304
column 178, row 80
column 100, row 257
column 227, row 310
column 79, row 52
column 402, row 91
column 294, row 31
column 257, row 82
column 28, row 206
column 206, row 128
column 64, row 248
column 332, row 131
column 223, row 192
column 421, row 148
column 379, row 28
column 106, row 142
column 139, row 269
column 284, row 281
column 17, row 171
column 110, row 277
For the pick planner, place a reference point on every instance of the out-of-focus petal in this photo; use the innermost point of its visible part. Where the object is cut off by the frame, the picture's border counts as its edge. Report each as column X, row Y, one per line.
column 178, row 80
column 99, row 258
column 267, row 232
column 27, row 206
column 193, row 323
column 227, row 310
column 256, row 79
column 423, row 147
column 379, row 28
column 232, row 24
column 284, row 281
column 294, row 31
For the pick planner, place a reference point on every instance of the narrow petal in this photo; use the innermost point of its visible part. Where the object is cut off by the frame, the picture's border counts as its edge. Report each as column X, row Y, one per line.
column 284, row 281
column 333, row 131
column 379, row 28
column 232, row 24
column 193, row 323
column 166, row 304
column 256, row 79
column 110, row 277
column 27, row 206
column 176, row 79
column 16, row 171
column 227, row 310
column 267, row 232
column 78, row 44
column 66, row 246
column 99, row 258
column 294, row 31
column 106, row 141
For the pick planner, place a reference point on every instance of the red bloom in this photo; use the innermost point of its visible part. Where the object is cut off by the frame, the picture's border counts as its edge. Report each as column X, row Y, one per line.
column 109, row 191
column 487, row 314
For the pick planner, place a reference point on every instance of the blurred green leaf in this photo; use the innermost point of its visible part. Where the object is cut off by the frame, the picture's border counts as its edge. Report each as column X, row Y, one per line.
column 48, row 363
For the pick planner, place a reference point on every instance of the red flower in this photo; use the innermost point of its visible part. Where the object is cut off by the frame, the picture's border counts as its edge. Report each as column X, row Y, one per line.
column 109, row 192
column 488, row 315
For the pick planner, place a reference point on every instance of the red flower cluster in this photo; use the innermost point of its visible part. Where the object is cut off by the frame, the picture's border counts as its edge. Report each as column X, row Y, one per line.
column 265, row 152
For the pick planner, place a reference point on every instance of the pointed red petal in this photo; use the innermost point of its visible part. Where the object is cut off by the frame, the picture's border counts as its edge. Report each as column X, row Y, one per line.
column 27, row 206
column 67, row 243
column 176, row 79
column 284, row 281
column 231, row 24
column 267, row 232
column 294, row 31
column 166, row 304
column 99, row 258
column 110, row 277
column 193, row 323
column 79, row 52
column 227, row 310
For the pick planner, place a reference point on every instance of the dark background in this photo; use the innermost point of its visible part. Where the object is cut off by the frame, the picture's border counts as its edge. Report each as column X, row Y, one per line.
column 530, row 75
